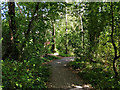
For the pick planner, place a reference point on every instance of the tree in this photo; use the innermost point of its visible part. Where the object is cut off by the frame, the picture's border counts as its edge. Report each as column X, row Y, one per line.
column 113, row 42
column 53, row 49
column 66, row 33
column 11, row 50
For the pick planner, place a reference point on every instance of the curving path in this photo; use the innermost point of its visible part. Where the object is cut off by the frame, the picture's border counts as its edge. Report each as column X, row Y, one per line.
column 62, row 78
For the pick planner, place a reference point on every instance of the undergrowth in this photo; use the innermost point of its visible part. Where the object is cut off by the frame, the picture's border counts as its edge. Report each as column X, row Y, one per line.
column 29, row 74
column 97, row 74
column 65, row 55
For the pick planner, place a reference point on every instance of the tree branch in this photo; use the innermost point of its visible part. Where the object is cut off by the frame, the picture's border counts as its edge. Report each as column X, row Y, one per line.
column 19, row 8
column 32, row 19
column 118, row 57
column 113, row 43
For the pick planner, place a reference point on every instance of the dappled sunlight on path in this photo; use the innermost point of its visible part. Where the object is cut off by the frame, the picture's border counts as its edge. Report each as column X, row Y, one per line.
column 62, row 78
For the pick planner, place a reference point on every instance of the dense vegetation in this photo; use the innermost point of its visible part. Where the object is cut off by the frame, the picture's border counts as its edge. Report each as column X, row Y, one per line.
column 98, row 51
column 89, row 31
column 29, row 74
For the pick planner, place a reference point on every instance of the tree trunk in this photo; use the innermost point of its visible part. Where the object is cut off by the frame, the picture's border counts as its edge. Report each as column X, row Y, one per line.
column 11, row 50
column 66, row 45
column 82, row 31
column 27, row 33
column 53, row 41
column 113, row 43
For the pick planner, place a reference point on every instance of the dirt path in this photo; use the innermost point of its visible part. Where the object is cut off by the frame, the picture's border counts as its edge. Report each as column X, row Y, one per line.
column 62, row 78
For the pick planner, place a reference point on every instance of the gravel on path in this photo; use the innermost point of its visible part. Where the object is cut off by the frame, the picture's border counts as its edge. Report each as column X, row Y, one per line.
column 62, row 78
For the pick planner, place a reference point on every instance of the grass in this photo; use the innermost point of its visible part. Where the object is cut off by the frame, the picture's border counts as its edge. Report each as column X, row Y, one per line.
column 96, row 74
column 65, row 55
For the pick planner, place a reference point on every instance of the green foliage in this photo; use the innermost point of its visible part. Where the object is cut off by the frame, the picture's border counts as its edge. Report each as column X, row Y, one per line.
column 29, row 74
column 64, row 55
column 86, row 34
column 95, row 59
column 96, row 74
column 50, row 57
column 33, row 28
column 24, row 75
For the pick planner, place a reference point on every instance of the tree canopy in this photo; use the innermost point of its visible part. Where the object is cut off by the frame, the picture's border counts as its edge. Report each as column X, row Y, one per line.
column 87, row 30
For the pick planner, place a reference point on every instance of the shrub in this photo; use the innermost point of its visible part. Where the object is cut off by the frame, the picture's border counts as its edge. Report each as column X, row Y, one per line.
column 24, row 75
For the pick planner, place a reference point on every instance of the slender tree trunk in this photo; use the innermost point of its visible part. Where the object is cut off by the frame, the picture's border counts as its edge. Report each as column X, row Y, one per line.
column 28, row 30
column 113, row 43
column 53, row 41
column 66, row 45
column 119, row 47
column 82, row 31
column 31, row 21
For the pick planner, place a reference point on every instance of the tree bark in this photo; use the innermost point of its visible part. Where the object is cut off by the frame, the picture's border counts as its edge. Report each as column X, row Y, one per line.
column 66, row 45
column 82, row 31
column 31, row 21
column 28, row 30
column 11, row 12
column 113, row 43
column 11, row 51
column 53, row 41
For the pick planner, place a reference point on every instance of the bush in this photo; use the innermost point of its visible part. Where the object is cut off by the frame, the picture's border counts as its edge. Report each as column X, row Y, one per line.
column 24, row 75
column 96, row 74
column 64, row 55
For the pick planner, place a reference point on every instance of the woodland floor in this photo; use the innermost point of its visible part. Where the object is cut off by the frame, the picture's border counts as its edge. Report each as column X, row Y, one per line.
column 62, row 77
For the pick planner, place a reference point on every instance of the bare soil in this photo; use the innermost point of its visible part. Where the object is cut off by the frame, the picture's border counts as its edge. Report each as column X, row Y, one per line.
column 62, row 78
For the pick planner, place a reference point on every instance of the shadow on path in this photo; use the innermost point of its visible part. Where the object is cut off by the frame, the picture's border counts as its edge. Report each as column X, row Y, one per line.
column 62, row 78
